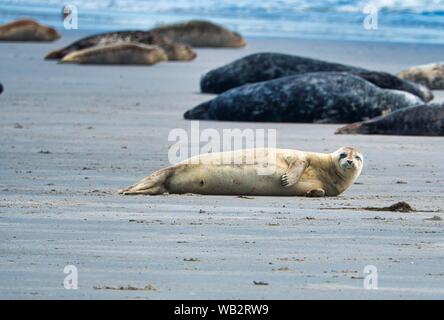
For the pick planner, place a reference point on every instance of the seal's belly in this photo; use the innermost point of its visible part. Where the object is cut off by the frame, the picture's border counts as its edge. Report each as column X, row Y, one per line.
column 237, row 180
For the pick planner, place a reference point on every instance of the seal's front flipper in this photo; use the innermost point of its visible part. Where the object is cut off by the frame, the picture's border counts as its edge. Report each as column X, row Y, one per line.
column 294, row 172
column 315, row 193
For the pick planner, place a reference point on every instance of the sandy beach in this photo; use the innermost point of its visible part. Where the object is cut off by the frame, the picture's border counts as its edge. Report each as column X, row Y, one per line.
column 71, row 136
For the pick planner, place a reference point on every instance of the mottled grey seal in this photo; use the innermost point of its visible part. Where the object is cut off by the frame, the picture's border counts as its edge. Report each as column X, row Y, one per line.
column 174, row 50
column 431, row 75
column 327, row 97
column 199, row 33
column 118, row 53
column 423, row 120
column 27, row 30
column 267, row 66
column 297, row 173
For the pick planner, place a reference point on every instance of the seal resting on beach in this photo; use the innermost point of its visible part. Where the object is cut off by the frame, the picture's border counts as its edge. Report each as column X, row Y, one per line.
column 27, row 30
column 119, row 53
column 423, row 120
column 199, row 33
column 295, row 173
column 268, row 66
column 175, row 51
column 1, row 88
column 431, row 75
column 324, row 97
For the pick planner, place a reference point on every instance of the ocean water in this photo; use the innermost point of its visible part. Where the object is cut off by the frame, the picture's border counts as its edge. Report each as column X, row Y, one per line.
column 413, row 21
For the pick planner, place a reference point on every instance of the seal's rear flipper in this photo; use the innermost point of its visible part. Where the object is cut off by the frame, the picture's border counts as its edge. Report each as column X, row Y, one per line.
column 151, row 185
column 352, row 128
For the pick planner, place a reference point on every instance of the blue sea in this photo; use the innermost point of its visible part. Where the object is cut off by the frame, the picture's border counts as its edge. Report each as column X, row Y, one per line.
column 412, row 21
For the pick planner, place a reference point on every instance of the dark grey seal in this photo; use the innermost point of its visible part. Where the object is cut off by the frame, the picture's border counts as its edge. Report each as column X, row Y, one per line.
column 423, row 120
column 174, row 50
column 267, row 66
column 327, row 97
column 1, row 88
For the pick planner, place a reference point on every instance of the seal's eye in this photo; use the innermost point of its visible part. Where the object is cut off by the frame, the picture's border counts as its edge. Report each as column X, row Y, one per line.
column 343, row 155
column 358, row 158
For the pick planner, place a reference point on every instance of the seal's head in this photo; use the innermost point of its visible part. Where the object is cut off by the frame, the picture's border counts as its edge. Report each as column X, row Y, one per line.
column 52, row 34
column 348, row 161
column 239, row 40
column 45, row 33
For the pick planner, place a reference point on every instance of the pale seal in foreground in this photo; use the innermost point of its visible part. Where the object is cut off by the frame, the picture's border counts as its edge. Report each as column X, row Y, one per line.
column 431, row 75
column 27, row 30
column 424, row 120
column 325, row 97
column 120, row 53
column 199, row 33
column 268, row 66
column 297, row 173
column 175, row 51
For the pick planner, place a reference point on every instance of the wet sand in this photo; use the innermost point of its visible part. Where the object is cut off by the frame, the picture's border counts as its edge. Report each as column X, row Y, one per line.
column 70, row 136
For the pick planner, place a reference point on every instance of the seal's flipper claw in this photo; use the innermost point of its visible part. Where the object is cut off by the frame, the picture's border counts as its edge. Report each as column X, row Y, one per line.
column 284, row 180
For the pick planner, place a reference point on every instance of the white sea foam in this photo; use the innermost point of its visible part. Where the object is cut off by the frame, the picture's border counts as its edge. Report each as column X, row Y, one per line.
column 251, row 6
column 400, row 20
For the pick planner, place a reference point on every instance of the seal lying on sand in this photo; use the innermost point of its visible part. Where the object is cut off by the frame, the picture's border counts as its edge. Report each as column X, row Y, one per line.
column 27, row 30
column 268, row 66
column 174, row 51
column 423, row 120
column 119, row 53
column 1, row 88
column 296, row 173
column 431, row 75
column 327, row 97
column 198, row 33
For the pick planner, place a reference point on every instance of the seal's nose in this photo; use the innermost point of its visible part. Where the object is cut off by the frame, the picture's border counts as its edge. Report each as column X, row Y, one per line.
column 349, row 161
